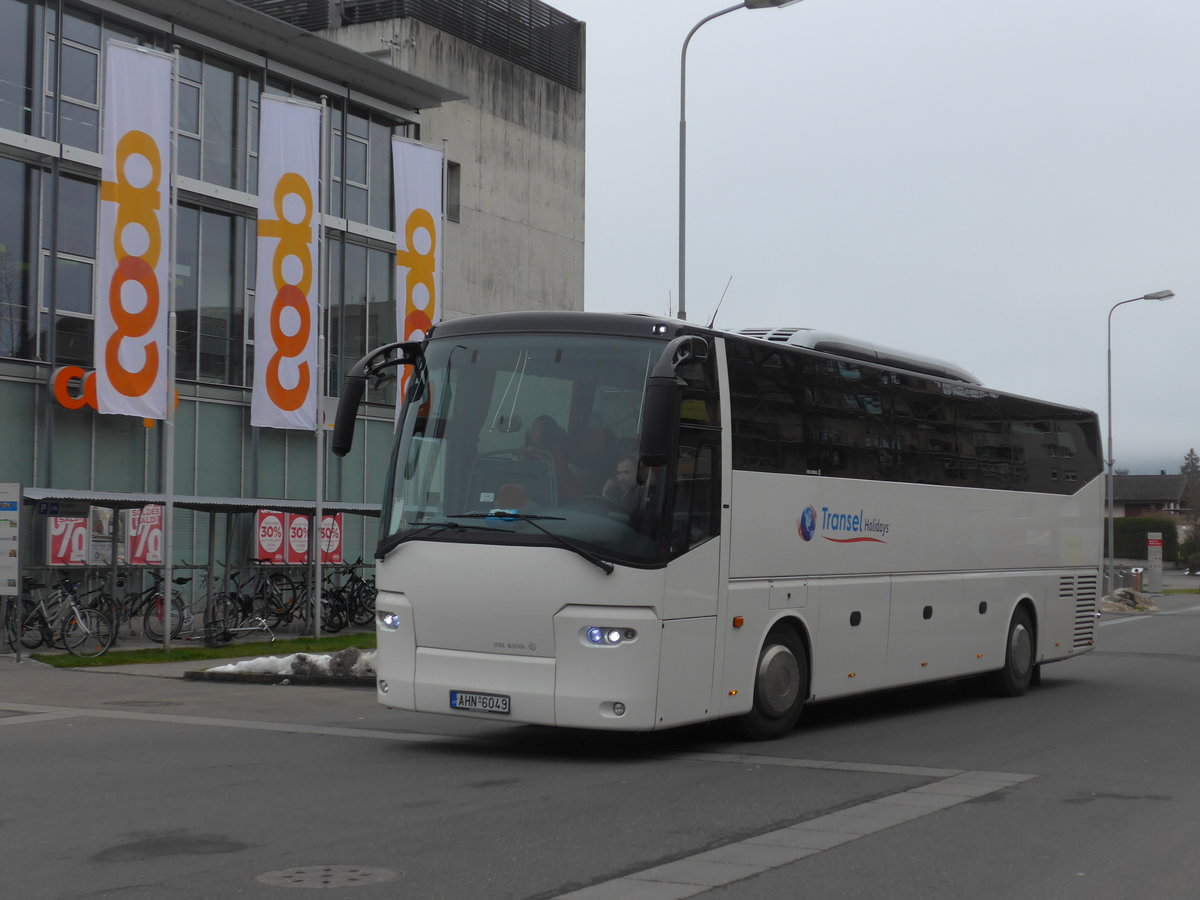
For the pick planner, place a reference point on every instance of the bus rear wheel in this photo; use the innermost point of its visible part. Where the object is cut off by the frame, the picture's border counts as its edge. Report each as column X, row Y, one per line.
column 1016, row 676
column 780, row 687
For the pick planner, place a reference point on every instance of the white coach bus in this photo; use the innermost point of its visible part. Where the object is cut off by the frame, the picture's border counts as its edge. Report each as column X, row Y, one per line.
column 627, row 522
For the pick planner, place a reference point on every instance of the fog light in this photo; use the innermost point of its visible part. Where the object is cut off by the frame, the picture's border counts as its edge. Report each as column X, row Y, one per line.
column 606, row 635
column 383, row 686
column 618, row 708
column 388, row 620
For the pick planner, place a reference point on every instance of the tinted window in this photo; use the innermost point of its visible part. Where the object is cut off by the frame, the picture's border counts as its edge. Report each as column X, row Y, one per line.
column 801, row 413
column 15, row 94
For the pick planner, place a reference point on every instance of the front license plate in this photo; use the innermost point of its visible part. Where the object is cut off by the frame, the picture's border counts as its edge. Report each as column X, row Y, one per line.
column 493, row 703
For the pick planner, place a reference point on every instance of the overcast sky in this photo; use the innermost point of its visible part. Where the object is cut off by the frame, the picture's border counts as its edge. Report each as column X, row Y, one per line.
column 974, row 181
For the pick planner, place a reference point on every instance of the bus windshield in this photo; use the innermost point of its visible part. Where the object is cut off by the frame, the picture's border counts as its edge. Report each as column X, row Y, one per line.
column 528, row 439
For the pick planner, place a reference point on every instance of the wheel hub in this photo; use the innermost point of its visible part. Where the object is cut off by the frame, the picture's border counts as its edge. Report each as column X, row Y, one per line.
column 778, row 680
column 1020, row 649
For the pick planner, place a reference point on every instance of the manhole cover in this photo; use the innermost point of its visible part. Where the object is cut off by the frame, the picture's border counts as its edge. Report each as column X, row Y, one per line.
column 327, row 876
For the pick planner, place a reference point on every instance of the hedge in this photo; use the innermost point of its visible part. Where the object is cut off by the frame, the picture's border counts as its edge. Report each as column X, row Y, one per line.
column 1129, row 535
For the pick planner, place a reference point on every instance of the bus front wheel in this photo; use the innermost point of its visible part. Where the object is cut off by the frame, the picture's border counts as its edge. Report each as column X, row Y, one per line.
column 780, row 687
column 1016, row 676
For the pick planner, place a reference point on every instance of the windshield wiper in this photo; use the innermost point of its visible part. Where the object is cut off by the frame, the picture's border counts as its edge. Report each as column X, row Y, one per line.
column 398, row 539
column 508, row 515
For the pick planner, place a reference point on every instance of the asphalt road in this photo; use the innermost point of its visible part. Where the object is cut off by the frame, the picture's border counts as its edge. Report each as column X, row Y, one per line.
column 118, row 783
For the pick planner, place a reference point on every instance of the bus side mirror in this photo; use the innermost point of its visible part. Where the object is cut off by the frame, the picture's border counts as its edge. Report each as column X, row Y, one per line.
column 347, row 413
column 662, row 398
column 660, row 418
column 371, row 365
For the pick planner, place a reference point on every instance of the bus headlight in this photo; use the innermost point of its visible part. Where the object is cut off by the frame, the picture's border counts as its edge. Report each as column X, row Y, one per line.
column 388, row 620
column 607, row 635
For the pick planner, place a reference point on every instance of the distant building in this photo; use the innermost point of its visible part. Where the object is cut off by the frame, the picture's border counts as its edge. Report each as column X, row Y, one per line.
column 1150, row 495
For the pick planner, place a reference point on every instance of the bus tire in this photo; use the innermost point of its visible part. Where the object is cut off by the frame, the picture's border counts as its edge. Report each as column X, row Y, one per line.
column 780, row 687
column 1016, row 676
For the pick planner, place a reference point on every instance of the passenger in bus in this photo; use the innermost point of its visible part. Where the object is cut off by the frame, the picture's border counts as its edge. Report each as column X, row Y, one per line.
column 592, row 454
column 623, row 489
column 545, row 439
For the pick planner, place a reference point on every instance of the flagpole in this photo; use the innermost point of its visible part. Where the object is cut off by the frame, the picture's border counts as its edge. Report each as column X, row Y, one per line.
column 319, row 493
column 169, row 421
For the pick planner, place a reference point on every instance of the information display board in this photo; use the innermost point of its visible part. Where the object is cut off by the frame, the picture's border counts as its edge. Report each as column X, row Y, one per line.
column 10, row 539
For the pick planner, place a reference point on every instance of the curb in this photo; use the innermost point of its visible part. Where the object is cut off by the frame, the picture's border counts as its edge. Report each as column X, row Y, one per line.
column 354, row 681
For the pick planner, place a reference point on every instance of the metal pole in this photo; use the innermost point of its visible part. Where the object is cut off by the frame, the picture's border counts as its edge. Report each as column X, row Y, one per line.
column 210, row 639
column 114, row 563
column 52, row 272
column 319, row 503
column 319, row 491
column 682, row 309
column 169, row 421
column 1156, row 295
column 1109, row 464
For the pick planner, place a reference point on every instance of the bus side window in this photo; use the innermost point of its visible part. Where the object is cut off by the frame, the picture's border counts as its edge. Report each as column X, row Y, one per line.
column 694, row 509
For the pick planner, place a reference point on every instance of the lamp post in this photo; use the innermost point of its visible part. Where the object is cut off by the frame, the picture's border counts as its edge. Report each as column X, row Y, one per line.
column 1157, row 295
column 747, row 4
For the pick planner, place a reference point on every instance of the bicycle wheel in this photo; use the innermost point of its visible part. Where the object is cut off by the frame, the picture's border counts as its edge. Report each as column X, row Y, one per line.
column 11, row 618
column 87, row 632
column 152, row 622
column 33, row 630
column 221, row 619
column 276, row 599
column 362, row 604
column 334, row 615
column 108, row 606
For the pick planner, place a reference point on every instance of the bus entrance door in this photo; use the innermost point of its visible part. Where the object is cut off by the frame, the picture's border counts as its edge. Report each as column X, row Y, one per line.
column 689, row 637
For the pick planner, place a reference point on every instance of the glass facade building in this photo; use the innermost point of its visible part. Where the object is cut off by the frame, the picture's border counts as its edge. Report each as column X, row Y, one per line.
column 52, row 60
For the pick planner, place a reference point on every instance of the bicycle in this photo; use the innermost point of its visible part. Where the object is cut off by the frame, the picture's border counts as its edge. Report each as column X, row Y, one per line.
column 352, row 602
column 251, row 606
column 57, row 619
column 227, row 616
column 270, row 596
column 149, row 604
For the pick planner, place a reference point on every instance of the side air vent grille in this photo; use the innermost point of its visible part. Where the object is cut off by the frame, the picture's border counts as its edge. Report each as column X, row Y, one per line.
column 1082, row 590
column 779, row 335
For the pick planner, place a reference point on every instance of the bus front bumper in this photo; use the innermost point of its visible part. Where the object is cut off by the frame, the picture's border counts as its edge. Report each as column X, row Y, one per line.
column 611, row 684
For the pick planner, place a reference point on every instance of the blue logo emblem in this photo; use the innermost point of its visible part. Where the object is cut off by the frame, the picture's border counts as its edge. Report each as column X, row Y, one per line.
column 807, row 524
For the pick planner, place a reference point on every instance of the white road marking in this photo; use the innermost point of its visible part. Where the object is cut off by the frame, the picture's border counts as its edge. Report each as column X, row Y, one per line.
column 701, row 872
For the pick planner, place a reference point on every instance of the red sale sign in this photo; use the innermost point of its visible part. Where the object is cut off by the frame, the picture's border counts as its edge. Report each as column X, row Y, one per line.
column 144, row 536
column 297, row 540
column 68, row 541
column 331, row 539
column 268, row 536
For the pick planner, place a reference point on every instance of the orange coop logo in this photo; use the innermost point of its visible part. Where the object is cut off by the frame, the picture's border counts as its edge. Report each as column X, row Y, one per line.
column 74, row 388
column 295, row 239
column 137, row 243
column 421, row 266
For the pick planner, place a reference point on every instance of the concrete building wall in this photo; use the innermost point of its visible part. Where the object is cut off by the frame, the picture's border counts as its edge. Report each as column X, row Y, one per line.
column 519, row 142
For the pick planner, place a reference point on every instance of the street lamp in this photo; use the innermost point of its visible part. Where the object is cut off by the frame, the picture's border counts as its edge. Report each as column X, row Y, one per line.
column 747, row 4
column 1157, row 295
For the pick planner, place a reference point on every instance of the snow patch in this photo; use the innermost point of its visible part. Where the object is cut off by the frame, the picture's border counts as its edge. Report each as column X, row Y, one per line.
column 348, row 662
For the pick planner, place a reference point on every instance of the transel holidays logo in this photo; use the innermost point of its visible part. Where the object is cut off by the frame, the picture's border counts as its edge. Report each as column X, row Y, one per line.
column 841, row 527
